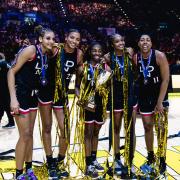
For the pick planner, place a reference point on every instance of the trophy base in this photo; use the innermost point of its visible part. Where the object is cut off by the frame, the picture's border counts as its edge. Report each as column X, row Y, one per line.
column 90, row 107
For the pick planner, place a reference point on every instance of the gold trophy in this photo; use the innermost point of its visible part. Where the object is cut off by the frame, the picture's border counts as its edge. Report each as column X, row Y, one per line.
column 102, row 78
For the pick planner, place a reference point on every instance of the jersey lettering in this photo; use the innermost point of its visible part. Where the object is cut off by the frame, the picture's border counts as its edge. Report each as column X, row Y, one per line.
column 68, row 65
column 68, row 76
column 150, row 69
column 39, row 69
column 156, row 79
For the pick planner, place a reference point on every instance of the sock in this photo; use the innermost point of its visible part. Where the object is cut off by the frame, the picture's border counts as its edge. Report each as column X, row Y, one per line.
column 151, row 157
column 28, row 165
column 88, row 160
column 93, row 155
column 49, row 159
column 19, row 172
column 60, row 158
column 117, row 156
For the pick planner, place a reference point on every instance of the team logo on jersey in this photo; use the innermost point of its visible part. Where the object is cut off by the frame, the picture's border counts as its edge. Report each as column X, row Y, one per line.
column 38, row 68
column 68, row 65
column 150, row 69
column 90, row 78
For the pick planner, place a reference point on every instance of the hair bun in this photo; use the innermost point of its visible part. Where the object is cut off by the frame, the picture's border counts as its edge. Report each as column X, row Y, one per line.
column 38, row 29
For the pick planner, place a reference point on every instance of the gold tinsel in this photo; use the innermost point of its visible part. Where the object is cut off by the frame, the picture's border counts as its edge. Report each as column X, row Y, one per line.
column 127, row 123
column 60, row 90
column 85, row 91
column 161, row 127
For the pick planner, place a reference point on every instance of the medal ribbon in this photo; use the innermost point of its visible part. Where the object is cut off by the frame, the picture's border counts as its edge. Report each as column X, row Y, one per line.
column 145, row 69
column 43, row 63
column 92, row 72
column 120, row 64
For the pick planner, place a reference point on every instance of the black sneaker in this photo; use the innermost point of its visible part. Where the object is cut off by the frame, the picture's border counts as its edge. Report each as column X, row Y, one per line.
column 52, row 172
column 98, row 167
column 91, row 172
column 62, row 173
column 9, row 126
column 162, row 168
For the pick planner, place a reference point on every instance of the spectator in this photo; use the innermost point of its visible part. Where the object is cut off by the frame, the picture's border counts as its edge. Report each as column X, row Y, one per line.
column 4, row 93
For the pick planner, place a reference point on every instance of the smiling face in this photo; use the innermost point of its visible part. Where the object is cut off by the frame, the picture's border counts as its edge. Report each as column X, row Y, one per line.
column 145, row 44
column 118, row 42
column 73, row 40
column 96, row 53
column 47, row 41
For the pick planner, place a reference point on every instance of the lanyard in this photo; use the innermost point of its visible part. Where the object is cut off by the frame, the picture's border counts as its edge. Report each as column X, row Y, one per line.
column 120, row 64
column 92, row 73
column 43, row 66
column 145, row 68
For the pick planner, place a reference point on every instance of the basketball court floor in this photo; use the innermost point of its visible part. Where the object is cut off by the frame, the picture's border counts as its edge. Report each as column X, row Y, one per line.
column 8, row 139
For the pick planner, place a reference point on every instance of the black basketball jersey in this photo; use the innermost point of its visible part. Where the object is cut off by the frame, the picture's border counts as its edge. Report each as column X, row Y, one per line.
column 118, row 83
column 148, row 86
column 28, row 77
column 69, row 65
column 50, row 71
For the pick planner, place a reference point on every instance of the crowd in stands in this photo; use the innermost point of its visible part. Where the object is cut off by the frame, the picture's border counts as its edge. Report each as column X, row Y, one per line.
column 44, row 6
column 87, row 9
column 86, row 16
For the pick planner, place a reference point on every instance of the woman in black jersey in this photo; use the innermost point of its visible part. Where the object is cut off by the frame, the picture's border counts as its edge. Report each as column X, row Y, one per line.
column 70, row 58
column 115, row 59
column 24, row 79
column 153, row 78
column 93, row 116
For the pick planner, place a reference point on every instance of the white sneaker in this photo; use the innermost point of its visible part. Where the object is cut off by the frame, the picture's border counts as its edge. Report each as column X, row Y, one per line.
column 98, row 166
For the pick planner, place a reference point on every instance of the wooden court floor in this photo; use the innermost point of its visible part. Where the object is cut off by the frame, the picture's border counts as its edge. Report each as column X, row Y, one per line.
column 8, row 139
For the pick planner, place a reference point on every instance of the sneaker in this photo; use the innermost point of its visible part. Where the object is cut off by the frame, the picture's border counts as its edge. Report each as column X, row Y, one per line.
column 91, row 172
column 162, row 177
column 31, row 175
column 98, row 167
column 22, row 177
column 52, row 173
column 118, row 167
column 133, row 173
column 162, row 168
column 62, row 173
column 9, row 126
column 148, row 168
